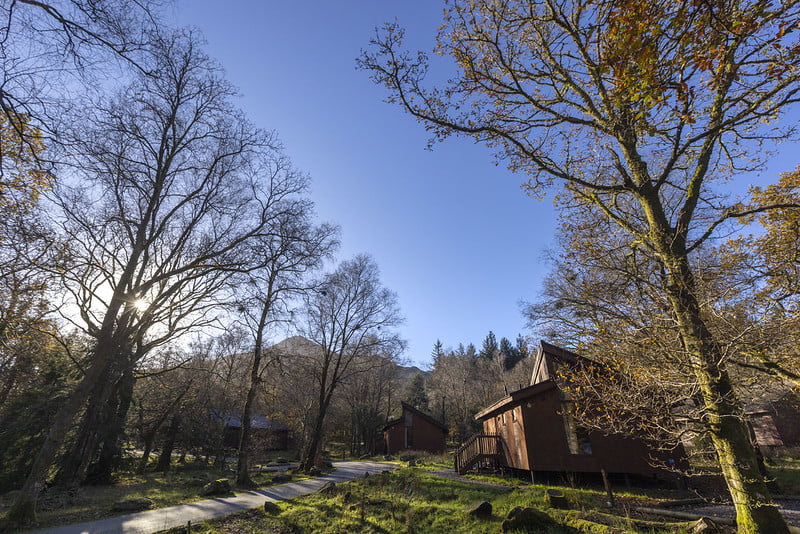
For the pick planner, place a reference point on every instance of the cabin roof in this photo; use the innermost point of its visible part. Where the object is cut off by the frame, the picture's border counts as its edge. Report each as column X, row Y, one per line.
column 515, row 398
column 423, row 415
column 260, row 421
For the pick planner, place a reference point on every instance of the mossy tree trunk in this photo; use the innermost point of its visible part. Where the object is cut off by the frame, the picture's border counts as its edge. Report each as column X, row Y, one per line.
column 724, row 413
column 725, row 420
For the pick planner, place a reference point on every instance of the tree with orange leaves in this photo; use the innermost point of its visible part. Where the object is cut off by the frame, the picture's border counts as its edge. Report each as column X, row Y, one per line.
column 641, row 110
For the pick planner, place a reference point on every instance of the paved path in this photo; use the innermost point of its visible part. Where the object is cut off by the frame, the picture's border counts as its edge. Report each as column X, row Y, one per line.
column 164, row 518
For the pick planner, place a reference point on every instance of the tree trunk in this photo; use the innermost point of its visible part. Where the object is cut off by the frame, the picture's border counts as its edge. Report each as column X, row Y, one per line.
column 75, row 461
column 23, row 509
column 755, row 512
column 150, row 436
column 219, row 454
column 148, row 448
column 310, row 455
column 242, row 473
column 112, row 432
column 165, row 459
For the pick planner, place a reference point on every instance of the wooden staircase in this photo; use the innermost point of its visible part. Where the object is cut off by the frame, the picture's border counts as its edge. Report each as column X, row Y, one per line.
column 486, row 449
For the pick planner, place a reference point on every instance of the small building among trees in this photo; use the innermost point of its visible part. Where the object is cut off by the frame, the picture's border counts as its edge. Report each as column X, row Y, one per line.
column 415, row 430
column 533, row 429
column 776, row 420
column 268, row 434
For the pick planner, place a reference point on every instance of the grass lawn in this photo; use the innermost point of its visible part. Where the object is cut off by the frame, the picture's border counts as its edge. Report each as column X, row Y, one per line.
column 181, row 485
column 407, row 500
column 787, row 474
column 411, row 500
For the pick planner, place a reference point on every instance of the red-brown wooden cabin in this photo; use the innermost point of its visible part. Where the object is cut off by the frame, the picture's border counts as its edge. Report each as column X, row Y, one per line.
column 415, row 430
column 531, row 430
column 776, row 419
column 268, row 434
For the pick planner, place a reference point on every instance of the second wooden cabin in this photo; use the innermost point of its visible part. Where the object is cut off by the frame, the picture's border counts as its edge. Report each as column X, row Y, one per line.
column 533, row 430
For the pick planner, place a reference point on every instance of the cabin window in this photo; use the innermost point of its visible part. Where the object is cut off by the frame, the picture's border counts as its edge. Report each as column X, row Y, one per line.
column 577, row 436
column 514, row 414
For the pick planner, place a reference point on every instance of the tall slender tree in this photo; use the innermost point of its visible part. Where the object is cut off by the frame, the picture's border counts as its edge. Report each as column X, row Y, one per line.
column 348, row 315
column 285, row 255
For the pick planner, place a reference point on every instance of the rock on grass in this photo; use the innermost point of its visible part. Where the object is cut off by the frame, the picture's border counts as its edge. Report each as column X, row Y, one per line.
column 527, row 520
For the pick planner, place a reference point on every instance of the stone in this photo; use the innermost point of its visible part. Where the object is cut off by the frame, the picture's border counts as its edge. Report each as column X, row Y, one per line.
column 482, row 510
column 197, row 481
column 527, row 520
column 705, row 526
column 280, row 478
column 557, row 499
column 329, row 487
column 271, row 508
column 134, row 504
column 388, row 457
column 315, row 471
column 221, row 486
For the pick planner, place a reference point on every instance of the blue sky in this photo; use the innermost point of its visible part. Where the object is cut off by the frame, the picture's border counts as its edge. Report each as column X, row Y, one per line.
column 453, row 234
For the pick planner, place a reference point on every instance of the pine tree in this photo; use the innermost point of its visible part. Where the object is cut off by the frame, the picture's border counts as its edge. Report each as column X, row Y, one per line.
column 416, row 395
column 511, row 354
column 438, row 351
column 489, row 346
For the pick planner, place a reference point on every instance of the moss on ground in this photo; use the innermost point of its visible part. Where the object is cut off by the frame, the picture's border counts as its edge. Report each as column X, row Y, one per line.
column 411, row 500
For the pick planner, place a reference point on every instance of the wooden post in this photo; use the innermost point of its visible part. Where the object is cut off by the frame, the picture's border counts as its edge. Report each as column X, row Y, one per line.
column 607, row 485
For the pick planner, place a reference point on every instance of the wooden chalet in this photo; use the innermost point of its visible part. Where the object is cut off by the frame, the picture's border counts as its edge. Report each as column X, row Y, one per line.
column 532, row 430
column 776, row 420
column 414, row 430
column 268, row 434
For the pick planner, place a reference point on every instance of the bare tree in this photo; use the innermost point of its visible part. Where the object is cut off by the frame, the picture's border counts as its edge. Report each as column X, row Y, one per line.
column 635, row 108
column 285, row 255
column 348, row 316
column 170, row 184
column 53, row 49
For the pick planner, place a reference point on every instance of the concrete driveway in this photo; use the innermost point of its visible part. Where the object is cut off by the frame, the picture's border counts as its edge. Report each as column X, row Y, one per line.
column 164, row 518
